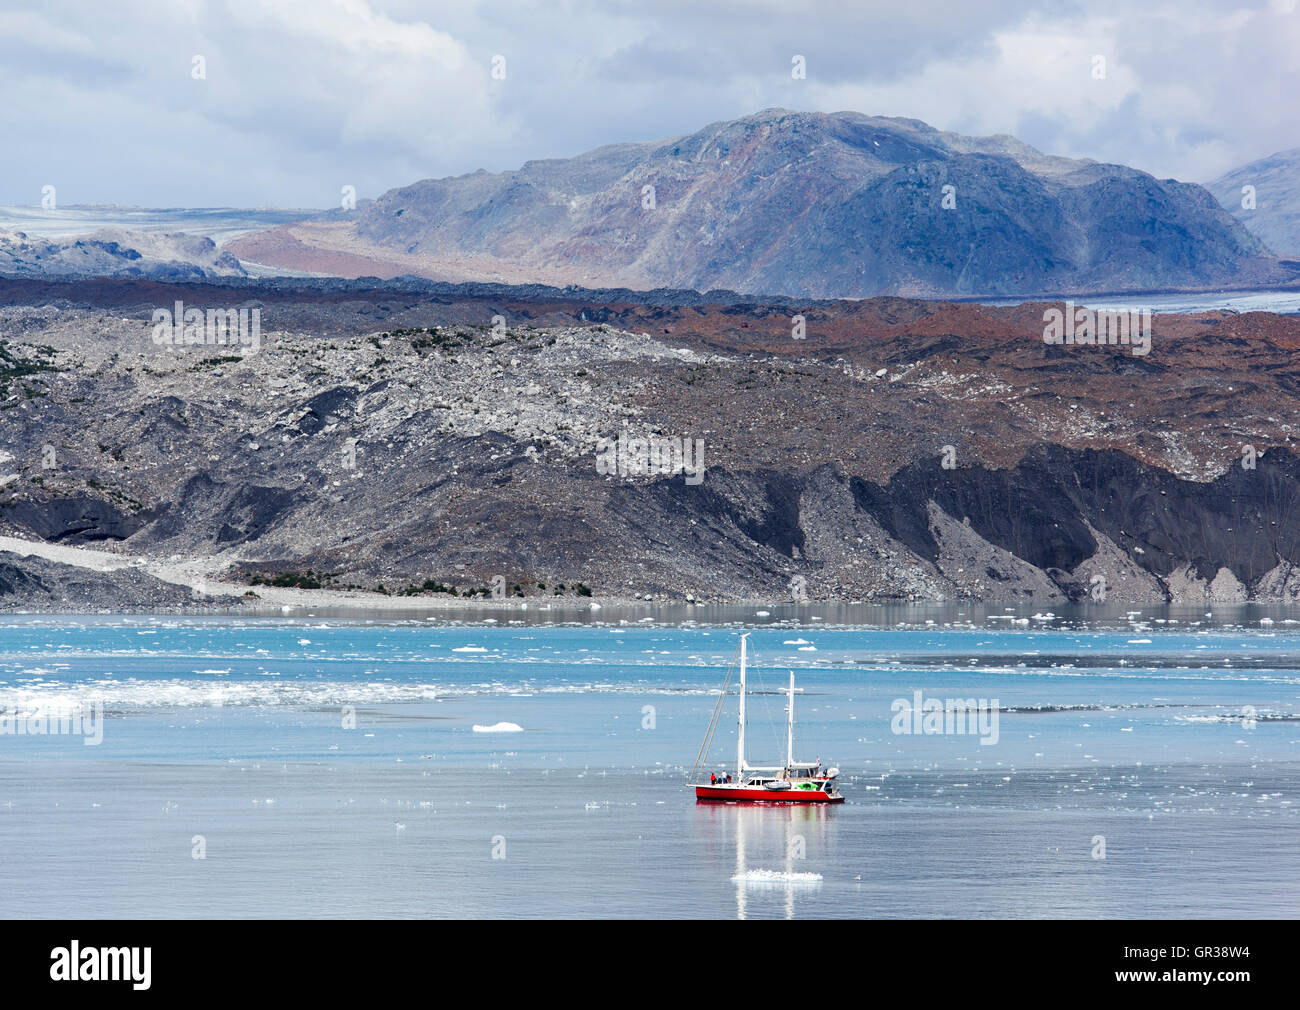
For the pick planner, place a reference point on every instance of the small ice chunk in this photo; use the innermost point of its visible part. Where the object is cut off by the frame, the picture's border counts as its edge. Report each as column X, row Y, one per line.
column 776, row 877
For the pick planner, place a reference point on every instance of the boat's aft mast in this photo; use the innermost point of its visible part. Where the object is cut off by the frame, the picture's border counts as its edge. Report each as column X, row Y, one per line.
column 740, row 737
column 789, row 732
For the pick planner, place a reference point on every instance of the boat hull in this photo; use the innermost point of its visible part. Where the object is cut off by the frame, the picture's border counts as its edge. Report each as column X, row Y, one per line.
column 743, row 794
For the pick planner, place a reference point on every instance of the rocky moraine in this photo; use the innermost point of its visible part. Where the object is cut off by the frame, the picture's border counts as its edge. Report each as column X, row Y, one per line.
column 426, row 440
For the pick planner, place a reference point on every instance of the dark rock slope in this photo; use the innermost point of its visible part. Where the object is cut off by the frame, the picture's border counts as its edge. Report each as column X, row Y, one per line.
column 34, row 584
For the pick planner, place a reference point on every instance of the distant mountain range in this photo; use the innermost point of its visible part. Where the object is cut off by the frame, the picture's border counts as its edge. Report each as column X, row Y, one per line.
column 804, row 205
column 113, row 252
column 1275, row 216
column 160, row 243
column 801, row 204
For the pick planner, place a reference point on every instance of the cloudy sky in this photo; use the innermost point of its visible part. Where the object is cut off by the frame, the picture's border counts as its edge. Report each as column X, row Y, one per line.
column 301, row 97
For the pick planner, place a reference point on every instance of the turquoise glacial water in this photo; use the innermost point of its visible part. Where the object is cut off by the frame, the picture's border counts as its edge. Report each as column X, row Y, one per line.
column 330, row 767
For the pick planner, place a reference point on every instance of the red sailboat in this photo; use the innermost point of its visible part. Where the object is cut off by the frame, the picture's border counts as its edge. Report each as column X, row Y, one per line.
column 792, row 782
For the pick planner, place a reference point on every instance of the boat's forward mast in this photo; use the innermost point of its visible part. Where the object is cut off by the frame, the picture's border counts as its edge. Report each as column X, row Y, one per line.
column 740, row 735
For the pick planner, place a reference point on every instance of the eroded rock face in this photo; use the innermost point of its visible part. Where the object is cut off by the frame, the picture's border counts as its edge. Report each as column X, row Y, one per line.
column 901, row 450
column 78, row 519
column 1281, row 584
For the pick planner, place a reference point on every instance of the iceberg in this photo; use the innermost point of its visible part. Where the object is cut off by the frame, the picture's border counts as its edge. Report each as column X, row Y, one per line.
column 500, row 727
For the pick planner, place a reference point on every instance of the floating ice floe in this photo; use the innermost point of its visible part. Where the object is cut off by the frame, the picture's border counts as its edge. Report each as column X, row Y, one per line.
column 775, row 877
column 500, row 727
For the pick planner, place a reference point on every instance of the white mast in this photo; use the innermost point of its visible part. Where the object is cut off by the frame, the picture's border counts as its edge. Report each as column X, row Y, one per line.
column 789, row 733
column 740, row 742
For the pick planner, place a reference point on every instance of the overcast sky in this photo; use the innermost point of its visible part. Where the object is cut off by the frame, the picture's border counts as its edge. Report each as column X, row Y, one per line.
column 302, row 97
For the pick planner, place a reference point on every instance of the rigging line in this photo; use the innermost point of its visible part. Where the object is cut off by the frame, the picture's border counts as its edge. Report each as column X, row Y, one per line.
column 707, row 744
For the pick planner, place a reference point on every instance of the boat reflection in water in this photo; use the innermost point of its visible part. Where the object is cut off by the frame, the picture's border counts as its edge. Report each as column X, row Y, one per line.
column 774, row 849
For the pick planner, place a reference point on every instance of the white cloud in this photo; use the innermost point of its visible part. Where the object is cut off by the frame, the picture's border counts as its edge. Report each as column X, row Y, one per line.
column 302, row 96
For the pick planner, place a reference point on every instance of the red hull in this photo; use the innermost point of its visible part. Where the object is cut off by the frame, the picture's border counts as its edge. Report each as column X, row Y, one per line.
column 739, row 794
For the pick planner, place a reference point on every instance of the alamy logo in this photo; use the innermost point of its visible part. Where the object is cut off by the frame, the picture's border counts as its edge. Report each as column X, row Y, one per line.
column 1082, row 325
column 183, row 326
column 950, row 717
column 74, row 963
column 648, row 457
column 78, row 720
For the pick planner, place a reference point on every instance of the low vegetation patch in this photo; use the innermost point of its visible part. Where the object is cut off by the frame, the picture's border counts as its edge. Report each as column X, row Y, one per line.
column 16, row 366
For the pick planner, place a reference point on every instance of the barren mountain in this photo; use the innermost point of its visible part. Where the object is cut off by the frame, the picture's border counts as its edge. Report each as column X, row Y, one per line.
column 1275, row 193
column 795, row 203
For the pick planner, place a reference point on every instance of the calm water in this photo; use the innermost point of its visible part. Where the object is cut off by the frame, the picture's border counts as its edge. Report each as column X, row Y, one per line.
column 1285, row 303
column 328, row 767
